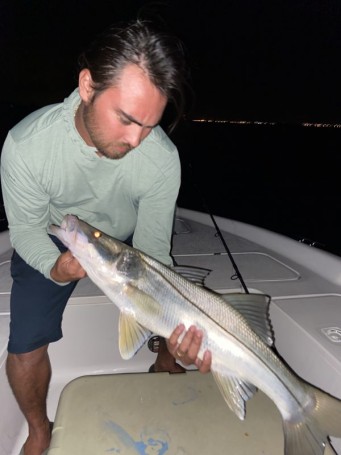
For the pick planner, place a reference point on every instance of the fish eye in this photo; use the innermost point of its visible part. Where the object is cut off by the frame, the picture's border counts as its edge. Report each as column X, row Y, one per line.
column 97, row 234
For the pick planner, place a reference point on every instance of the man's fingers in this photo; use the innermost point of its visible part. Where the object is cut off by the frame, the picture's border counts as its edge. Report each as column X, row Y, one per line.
column 204, row 365
column 193, row 343
column 188, row 348
column 67, row 268
column 172, row 341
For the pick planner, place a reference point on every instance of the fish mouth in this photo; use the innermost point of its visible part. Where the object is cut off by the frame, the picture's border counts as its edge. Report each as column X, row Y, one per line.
column 69, row 223
column 67, row 231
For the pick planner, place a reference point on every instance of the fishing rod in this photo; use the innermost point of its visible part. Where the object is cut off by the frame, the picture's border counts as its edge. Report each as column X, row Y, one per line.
column 207, row 209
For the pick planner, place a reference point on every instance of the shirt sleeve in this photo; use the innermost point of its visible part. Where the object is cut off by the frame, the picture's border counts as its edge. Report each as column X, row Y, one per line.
column 156, row 213
column 27, row 210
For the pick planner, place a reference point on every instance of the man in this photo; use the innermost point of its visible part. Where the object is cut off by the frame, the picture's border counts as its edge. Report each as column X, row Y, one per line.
column 99, row 155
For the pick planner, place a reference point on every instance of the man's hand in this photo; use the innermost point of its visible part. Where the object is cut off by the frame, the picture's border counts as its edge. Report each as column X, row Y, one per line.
column 187, row 351
column 67, row 268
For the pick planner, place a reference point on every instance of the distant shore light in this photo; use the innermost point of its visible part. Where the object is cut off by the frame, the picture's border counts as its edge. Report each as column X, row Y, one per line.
column 256, row 122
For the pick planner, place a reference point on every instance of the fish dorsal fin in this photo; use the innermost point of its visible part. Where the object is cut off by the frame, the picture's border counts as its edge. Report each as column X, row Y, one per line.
column 131, row 335
column 195, row 274
column 255, row 309
column 235, row 392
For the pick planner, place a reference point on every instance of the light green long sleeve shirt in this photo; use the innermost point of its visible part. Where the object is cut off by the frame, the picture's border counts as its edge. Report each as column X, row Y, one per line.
column 48, row 171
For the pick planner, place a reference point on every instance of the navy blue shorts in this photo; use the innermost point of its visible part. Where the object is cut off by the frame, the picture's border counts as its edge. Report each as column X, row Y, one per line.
column 37, row 306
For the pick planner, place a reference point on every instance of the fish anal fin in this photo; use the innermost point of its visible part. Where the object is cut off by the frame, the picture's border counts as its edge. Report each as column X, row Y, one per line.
column 255, row 309
column 131, row 335
column 235, row 392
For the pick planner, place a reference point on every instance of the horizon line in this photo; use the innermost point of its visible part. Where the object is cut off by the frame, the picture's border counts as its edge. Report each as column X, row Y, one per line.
column 258, row 122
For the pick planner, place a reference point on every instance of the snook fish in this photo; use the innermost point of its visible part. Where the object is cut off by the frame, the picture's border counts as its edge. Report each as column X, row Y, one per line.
column 152, row 298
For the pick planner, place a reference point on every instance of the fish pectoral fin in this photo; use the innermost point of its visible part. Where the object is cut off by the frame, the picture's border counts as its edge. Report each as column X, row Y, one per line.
column 131, row 335
column 143, row 301
column 255, row 309
column 235, row 392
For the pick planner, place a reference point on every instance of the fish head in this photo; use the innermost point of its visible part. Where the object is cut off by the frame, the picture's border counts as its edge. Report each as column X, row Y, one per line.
column 69, row 232
column 97, row 252
column 78, row 236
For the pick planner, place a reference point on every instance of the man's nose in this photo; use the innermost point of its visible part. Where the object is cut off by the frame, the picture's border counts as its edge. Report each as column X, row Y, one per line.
column 134, row 135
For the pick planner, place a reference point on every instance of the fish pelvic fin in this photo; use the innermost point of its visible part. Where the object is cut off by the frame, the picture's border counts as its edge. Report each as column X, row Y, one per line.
column 131, row 336
column 311, row 436
column 235, row 392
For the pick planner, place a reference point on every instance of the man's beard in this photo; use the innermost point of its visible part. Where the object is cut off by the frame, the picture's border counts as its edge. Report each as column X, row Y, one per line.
column 109, row 150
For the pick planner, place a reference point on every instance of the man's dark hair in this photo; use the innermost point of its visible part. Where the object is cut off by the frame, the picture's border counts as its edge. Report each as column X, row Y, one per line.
column 159, row 54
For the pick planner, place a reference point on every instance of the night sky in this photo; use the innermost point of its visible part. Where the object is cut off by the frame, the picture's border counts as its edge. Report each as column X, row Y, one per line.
column 250, row 59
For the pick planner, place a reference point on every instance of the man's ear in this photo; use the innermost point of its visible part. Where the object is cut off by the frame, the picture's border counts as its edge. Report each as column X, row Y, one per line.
column 85, row 85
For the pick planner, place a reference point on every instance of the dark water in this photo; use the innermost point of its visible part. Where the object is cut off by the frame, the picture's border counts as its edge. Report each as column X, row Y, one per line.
column 284, row 178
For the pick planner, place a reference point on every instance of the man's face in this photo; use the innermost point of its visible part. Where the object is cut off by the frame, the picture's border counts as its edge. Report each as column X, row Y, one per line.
column 116, row 120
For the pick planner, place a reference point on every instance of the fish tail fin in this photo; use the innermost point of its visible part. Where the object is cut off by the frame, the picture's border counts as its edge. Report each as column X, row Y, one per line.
column 310, row 436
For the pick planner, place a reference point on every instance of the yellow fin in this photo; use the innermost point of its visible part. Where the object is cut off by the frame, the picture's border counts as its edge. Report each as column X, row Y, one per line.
column 131, row 335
